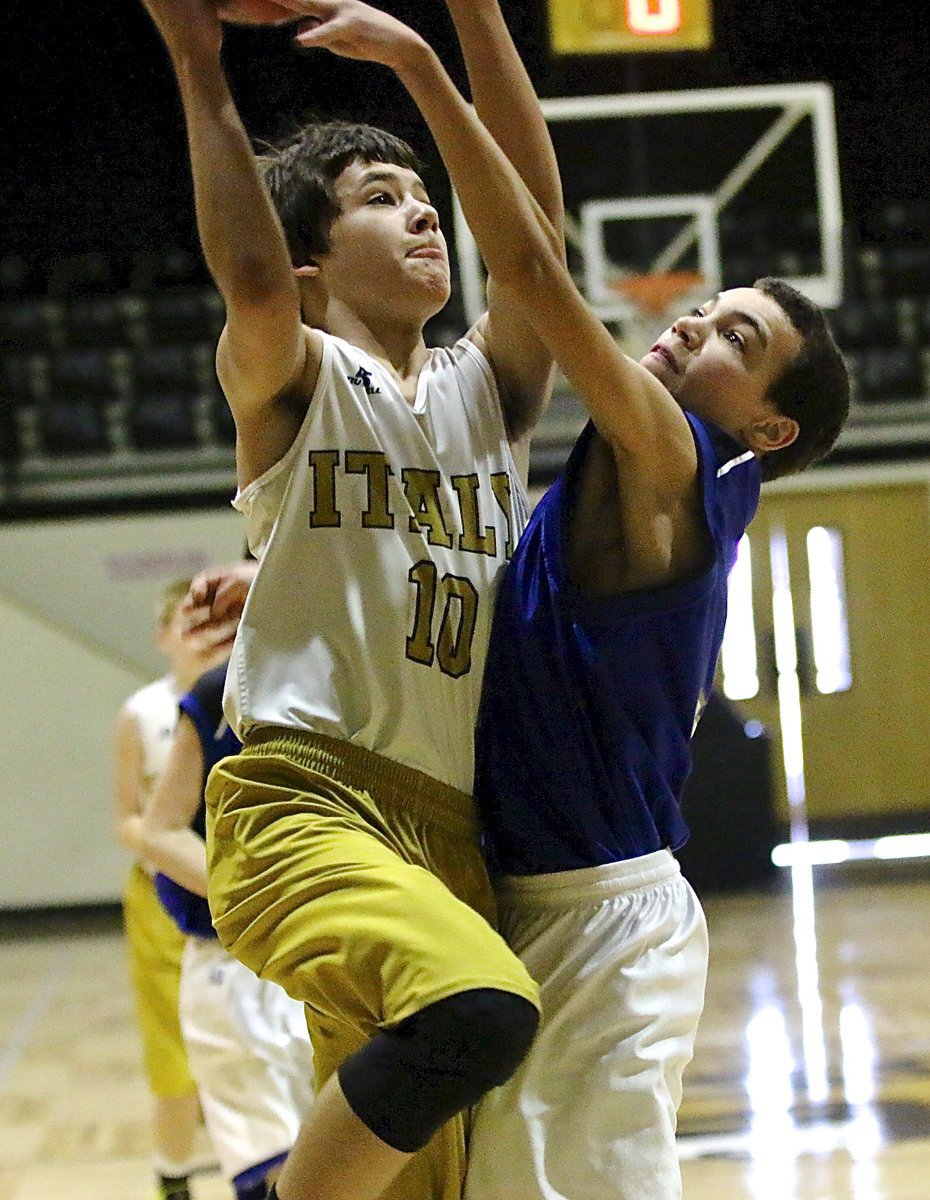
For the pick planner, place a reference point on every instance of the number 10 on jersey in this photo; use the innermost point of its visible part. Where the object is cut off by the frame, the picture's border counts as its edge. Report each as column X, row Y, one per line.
column 629, row 26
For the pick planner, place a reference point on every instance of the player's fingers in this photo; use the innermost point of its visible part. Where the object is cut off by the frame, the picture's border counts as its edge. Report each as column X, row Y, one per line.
column 223, row 635
column 229, row 600
column 207, row 639
column 320, row 20
column 201, row 588
column 194, row 616
column 314, row 32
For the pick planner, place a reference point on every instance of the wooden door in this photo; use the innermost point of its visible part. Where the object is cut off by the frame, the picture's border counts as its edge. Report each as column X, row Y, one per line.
column 841, row 559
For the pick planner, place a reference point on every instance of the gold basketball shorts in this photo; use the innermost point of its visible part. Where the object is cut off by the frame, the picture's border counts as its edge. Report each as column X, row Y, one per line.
column 155, row 945
column 357, row 885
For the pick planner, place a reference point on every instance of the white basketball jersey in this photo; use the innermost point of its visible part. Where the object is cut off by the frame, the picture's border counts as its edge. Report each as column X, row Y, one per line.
column 381, row 532
column 155, row 708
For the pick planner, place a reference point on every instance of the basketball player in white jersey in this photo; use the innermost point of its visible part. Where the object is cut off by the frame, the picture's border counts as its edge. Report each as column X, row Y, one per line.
column 143, row 738
column 383, row 485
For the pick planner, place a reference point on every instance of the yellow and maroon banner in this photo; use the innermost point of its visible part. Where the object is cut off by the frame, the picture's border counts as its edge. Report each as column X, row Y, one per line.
column 629, row 26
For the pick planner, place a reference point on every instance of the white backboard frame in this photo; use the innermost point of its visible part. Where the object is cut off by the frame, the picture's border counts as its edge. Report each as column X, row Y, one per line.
column 794, row 103
column 604, row 298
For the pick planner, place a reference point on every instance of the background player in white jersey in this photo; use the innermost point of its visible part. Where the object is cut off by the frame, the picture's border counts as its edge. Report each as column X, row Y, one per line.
column 384, row 487
column 246, row 1038
column 143, row 734
column 606, row 632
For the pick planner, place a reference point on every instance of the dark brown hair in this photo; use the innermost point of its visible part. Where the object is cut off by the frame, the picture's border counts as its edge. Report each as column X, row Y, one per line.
column 300, row 176
column 814, row 387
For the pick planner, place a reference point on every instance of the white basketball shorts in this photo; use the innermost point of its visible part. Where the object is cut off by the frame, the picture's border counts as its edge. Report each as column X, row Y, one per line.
column 250, row 1057
column 620, row 954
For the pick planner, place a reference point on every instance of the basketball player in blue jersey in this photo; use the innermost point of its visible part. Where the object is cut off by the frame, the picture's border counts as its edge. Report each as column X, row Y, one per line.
column 246, row 1039
column 606, row 632
column 383, row 490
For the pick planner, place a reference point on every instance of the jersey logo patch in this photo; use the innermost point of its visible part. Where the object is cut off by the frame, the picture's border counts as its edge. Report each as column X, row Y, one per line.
column 362, row 378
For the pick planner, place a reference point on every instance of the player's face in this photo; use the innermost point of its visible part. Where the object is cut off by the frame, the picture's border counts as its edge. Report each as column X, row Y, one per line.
column 386, row 247
column 720, row 360
column 169, row 637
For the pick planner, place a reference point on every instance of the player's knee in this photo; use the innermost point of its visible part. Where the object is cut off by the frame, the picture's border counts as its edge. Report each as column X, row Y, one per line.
column 439, row 1061
column 486, row 1030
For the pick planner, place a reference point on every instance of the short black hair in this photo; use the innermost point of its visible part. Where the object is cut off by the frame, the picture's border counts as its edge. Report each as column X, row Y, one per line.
column 300, row 175
column 814, row 387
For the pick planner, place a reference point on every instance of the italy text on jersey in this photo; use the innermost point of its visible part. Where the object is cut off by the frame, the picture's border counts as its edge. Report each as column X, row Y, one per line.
column 427, row 513
column 446, row 604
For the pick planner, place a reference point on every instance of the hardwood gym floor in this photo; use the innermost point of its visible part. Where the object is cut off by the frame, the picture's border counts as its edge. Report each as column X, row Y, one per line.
column 811, row 1079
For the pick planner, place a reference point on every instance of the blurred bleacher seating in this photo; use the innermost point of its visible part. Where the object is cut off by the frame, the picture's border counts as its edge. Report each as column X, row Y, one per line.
column 107, row 379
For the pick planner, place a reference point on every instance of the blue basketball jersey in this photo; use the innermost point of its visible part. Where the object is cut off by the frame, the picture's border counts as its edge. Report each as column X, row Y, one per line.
column 588, row 704
column 204, row 705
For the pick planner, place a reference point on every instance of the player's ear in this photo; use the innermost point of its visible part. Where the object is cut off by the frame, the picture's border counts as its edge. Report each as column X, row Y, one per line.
column 773, row 432
column 314, row 294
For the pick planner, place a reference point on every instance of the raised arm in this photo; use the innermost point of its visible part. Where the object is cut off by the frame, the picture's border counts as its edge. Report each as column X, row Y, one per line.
column 505, row 101
column 632, row 411
column 507, row 106
column 262, row 350
column 168, row 841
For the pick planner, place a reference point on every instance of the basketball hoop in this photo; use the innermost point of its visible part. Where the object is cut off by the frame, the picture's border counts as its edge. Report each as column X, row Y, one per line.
column 655, row 295
column 655, row 299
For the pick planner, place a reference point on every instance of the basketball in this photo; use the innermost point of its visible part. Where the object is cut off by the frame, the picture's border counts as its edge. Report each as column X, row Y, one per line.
column 254, row 12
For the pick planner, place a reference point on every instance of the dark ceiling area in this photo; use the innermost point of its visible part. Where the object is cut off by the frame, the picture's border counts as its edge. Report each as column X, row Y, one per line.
column 94, row 148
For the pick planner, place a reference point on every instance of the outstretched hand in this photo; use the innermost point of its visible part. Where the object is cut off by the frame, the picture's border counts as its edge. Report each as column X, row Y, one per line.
column 352, row 29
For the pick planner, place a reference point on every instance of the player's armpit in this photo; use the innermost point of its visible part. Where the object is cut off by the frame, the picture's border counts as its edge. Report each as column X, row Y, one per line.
column 268, row 389
column 522, row 364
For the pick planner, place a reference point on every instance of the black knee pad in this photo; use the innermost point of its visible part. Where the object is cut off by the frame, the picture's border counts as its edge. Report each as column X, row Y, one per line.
column 410, row 1079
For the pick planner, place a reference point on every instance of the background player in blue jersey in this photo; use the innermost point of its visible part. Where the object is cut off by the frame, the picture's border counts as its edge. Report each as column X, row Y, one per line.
column 246, row 1040
column 606, row 633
